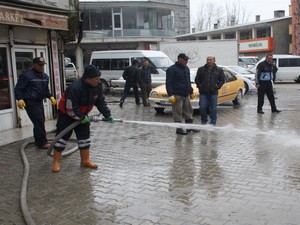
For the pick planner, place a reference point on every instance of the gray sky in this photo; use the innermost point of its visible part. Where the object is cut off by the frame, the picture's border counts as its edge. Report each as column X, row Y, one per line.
column 264, row 8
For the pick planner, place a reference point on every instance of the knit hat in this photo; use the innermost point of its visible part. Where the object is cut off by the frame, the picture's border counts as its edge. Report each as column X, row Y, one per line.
column 90, row 71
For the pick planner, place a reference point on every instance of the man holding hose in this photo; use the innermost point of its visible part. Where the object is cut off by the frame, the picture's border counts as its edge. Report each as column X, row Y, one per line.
column 75, row 104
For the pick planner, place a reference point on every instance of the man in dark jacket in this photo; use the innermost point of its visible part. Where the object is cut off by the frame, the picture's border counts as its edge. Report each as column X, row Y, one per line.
column 130, row 75
column 209, row 80
column 145, row 81
column 76, row 102
column 179, row 89
column 264, row 75
column 30, row 91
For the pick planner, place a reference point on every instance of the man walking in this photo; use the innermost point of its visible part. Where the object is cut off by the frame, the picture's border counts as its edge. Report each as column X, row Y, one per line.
column 209, row 80
column 30, row 91
column 130, row 75
column 264, row 74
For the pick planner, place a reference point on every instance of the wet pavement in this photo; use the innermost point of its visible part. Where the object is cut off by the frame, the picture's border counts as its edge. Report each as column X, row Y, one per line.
column 244, row 171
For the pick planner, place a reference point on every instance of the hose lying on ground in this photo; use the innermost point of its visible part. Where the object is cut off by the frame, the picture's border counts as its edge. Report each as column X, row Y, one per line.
column 23, row 196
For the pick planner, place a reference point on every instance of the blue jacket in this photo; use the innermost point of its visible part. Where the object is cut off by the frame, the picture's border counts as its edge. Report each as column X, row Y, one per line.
column 178, row 81
column 32, row 86
column 264, row 72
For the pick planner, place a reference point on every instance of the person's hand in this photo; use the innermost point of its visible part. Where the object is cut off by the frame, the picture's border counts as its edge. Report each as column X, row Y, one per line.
column 257, row 86
column 21, row 104
column 192, row 96
column 172, row 99
column 110, row 119
column 53, row 101
column 85, row 120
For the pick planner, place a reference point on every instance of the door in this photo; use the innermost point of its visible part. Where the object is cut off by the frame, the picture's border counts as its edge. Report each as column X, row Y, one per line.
column 22, row 61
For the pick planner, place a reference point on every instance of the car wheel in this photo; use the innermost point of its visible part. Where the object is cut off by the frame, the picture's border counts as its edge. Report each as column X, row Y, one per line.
column 297, row 80
column 239, row 98
column 159, row 110
column 246, row 87
column 105, row 86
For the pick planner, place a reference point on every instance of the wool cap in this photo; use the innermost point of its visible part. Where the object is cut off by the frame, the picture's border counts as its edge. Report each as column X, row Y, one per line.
column 91, row 71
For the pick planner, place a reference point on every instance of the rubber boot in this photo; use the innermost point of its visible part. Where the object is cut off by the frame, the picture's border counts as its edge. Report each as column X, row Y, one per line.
column 85, row 159
column 56, row 162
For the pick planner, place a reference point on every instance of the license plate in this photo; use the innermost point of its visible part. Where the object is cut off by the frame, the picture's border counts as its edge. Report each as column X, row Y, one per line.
column 164, row 103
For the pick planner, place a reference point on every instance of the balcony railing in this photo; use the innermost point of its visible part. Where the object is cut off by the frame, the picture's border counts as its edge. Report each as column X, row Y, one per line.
column 128, row 33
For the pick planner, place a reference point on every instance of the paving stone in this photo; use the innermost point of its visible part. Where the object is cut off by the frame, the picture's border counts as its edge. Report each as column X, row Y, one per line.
column 244, row 171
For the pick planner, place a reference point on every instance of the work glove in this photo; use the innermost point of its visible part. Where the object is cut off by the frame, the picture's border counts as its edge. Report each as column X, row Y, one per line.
column 85, row 120
column 110, row 119
column 192, row 96
column 53, row 101
column 172, row 99
column 21, row 104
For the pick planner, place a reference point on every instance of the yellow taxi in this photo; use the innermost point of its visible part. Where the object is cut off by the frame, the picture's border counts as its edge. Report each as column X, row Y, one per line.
column 233, row 90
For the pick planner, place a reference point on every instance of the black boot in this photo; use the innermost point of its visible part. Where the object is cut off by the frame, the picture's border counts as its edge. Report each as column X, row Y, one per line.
column 181, row 131
column 191, row 130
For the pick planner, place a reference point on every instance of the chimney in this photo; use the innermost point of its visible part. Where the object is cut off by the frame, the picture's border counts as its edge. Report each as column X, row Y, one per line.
column 257, row 18
column 232, row 20
column 279, row 13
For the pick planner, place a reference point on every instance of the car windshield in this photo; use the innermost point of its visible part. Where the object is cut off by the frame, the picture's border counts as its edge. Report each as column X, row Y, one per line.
column 249, row 61
column 240, row 70
column 193, row 74
column 161, row 62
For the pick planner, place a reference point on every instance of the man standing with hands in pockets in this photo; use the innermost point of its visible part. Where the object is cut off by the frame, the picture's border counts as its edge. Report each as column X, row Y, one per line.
column 209, row 80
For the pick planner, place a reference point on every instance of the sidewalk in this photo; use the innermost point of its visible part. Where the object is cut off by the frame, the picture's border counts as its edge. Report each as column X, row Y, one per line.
column 17, row 134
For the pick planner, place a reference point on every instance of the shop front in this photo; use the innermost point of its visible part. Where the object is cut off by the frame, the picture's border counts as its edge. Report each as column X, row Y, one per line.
column 25, row 34
column 256, row 47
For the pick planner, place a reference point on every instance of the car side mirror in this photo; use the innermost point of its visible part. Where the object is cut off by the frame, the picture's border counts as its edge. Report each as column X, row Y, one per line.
column 153, row 71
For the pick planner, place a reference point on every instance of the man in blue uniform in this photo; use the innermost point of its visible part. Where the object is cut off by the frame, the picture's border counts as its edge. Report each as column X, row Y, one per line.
column 30, row 91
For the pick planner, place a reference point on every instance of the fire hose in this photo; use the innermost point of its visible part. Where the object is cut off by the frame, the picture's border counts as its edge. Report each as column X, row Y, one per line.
column 23, row 198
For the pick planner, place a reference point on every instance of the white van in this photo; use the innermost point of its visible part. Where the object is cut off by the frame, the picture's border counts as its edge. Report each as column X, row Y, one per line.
column 288, row 67
column 113, row 63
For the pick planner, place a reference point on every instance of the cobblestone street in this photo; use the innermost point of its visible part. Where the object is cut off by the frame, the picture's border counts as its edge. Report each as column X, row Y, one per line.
column 244, row 171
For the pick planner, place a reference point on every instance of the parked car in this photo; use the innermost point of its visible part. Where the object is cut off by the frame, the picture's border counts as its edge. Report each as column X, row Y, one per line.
column 249, row 61
column 245, row 74
column 112, row 65
column 233, row 90
column 71, row 72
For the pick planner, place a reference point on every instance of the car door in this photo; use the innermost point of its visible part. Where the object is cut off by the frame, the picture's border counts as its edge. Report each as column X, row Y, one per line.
column 229, row 90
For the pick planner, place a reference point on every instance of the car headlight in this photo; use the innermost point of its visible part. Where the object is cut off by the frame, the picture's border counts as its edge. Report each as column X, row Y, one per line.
column 154, row 94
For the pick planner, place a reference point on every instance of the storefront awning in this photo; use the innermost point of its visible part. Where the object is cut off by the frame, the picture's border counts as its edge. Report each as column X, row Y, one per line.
column 30, row 18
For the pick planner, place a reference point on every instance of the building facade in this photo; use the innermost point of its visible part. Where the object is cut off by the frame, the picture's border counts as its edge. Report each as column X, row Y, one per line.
column 294, row 11
column 31, row 28
column 256, row 38
column 135, row 24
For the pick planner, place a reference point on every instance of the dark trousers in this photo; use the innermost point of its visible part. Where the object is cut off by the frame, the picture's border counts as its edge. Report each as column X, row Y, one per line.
column 134, row 86
column 82, row 132
column 145, row 90
column 265, row 87
column 35, row 111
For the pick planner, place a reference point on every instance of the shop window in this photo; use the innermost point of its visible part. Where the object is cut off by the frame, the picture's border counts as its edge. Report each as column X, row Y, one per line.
column 5, row 102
